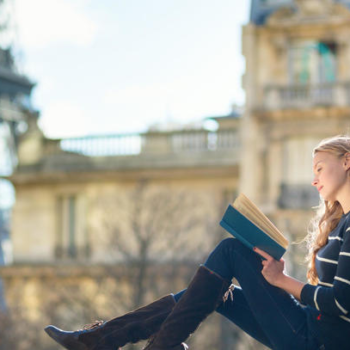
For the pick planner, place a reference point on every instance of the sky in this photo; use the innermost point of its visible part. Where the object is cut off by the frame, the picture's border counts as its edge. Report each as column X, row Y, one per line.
column 123, row 66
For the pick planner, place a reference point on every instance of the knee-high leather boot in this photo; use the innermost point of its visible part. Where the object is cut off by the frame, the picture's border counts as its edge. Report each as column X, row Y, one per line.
column 201, row 298
column 129, row 328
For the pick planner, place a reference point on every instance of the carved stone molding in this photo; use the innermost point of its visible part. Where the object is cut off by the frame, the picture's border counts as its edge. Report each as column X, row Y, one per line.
column 310, row 11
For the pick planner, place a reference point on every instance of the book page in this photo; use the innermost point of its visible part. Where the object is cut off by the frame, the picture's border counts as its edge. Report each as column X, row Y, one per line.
column 246, row 207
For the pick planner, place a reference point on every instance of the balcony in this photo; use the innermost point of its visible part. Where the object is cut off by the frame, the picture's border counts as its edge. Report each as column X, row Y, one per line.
column 306, row 96
column 152, row 150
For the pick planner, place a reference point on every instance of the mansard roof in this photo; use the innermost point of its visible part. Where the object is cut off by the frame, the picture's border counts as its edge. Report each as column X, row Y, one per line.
column 261, row 9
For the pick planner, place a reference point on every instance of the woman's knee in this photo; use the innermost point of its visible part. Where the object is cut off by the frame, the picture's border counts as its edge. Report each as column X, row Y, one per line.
column 221, row 258
column 227, row 244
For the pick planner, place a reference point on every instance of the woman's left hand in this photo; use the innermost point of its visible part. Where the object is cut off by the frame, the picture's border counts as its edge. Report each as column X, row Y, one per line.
column 272, row 268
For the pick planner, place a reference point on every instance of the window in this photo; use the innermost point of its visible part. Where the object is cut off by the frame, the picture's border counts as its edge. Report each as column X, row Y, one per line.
column 70, row 233
column 312, row 62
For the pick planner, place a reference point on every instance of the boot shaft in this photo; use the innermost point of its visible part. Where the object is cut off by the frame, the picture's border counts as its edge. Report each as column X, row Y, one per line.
column 201, row 298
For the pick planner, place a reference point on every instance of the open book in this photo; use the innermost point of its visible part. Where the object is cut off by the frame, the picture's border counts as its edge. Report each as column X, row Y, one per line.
column 245, row 221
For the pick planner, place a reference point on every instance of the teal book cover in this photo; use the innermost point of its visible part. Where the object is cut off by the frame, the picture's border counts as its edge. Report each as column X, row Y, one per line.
column 249, row 234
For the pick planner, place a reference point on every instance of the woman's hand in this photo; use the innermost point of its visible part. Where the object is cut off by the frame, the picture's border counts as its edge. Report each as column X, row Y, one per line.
column 273, row 271
column 272, row 268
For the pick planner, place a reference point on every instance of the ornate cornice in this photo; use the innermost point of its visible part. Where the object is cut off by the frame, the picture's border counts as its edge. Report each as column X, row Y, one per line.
column 310, row 11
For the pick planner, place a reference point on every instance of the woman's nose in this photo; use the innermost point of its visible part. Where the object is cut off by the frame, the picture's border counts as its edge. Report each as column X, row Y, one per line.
column 314, row 182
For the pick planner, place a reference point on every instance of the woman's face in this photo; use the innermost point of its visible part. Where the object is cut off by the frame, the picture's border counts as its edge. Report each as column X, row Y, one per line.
column 330, row 175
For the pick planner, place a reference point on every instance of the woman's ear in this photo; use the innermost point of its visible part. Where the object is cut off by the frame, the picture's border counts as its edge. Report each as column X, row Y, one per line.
column 347, row 161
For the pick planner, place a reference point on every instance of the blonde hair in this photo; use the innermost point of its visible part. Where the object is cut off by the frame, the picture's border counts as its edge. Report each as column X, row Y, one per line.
column 328, row 213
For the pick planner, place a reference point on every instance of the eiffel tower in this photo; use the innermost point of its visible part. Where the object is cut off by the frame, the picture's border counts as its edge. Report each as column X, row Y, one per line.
column 15, row 91
column 15, row 106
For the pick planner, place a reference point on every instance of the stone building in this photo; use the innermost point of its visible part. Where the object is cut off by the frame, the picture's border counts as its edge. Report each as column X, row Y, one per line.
column 297, row 93
column 137, row 208
column 88, row 208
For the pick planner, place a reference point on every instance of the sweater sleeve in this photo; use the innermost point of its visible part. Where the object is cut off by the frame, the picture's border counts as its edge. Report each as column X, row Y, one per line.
column 333, row 300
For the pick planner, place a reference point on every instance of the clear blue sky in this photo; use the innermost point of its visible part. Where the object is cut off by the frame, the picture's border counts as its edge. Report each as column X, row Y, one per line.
column 115, row 66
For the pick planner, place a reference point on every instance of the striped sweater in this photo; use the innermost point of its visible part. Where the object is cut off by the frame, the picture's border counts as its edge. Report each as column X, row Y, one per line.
column 332, row 294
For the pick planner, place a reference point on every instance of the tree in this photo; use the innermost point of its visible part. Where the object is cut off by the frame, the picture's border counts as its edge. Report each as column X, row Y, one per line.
column 151, row 225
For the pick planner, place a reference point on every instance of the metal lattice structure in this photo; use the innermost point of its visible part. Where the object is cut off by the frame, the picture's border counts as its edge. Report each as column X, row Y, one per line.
column 15, row 94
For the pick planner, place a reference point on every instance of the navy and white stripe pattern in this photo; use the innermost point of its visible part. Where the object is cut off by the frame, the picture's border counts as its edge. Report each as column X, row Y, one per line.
column 332, row 294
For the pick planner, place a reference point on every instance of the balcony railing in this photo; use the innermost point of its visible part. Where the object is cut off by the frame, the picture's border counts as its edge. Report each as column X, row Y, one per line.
column 298, row 197
column 306, row 96
column 185, row 148
column 151, row 143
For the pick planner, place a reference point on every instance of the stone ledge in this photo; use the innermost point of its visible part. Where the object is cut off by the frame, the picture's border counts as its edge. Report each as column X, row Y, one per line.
column 83, row 270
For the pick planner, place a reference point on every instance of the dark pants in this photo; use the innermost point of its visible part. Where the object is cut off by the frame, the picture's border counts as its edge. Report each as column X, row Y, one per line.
column 267, row 313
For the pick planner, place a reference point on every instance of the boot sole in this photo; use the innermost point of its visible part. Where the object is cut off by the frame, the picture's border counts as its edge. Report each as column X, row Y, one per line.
column 67, row 342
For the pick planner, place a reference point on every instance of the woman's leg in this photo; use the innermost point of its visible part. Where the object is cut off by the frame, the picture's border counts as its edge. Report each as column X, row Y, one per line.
column 201, row 298
column 129, row 328
column 269, row 314
column 238, row 311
